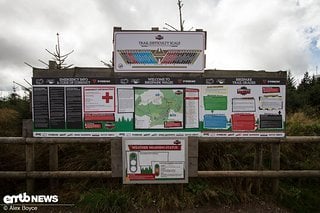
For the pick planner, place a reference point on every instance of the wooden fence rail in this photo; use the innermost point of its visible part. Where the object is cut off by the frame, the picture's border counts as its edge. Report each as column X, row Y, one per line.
column 93, row 140
column 108, row 174
column 53, row 174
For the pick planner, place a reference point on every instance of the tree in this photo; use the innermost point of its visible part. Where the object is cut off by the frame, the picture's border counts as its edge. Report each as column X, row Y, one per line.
column 58, row 58
column 293, row 102
column 291, row 82
column 13, row 109
column 314, row 93
column 181, row 21
column 306, row 82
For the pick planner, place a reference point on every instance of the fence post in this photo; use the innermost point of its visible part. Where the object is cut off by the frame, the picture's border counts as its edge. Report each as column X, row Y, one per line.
column 275, row 165
column 29, row 166
column 193, row 151
column 26, row 128
column 29, row 153
column 53, row 165
column 258, row 164
column 116, row 158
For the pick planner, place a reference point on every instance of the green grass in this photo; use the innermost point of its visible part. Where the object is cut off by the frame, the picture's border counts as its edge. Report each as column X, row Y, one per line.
column 301, row 195
column 104, row 200
column 115, row 197
column 101, row 195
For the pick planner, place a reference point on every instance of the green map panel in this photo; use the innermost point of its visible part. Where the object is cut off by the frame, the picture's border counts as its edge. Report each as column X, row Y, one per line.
column 155, row 107
column 212, row 102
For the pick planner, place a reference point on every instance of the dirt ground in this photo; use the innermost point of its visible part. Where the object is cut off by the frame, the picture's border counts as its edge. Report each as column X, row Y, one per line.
column 257, row 207
column 253, row 207
column 247, row 208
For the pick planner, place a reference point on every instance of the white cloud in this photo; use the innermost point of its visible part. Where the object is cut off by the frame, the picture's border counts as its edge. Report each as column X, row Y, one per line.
column 14, row 73
column 259, row 35
column 251, row 34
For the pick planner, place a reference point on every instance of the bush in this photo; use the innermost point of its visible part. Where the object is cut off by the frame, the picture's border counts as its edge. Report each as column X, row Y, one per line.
column 300, row 124
column 9, row 123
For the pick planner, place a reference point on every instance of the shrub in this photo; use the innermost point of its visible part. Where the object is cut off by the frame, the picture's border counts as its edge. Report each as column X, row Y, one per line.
column 9, row 122
column 301, row 124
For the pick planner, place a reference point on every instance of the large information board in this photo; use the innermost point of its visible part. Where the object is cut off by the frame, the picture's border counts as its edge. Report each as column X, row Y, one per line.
column 159, row 51
column 159, row 106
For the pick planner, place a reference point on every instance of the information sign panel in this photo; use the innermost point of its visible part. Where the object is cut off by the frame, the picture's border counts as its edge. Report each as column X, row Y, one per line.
column 159, row 51
column 155, row 160
column 159, row 106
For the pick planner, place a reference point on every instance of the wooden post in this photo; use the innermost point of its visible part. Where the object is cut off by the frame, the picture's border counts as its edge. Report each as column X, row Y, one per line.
column 29, row 150
column 53, row 165
column 193, row 156
column 26, row 128
column 258, row 164
column 275, row 165
column 116, row 158
column 29, row 166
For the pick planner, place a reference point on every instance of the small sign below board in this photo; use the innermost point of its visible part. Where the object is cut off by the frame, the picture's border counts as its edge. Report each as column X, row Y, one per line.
column 155, row 160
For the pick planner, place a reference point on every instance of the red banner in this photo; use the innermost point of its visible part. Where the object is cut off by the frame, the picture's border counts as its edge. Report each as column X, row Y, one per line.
column 141, row 176
column 154, row 147
column 99, row 117
column 270, row 89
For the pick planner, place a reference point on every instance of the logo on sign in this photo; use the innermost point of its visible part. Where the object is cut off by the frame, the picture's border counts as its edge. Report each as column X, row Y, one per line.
column 243, row 91
column 159, row 37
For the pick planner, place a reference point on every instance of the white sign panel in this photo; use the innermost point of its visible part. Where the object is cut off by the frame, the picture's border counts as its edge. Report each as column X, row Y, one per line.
column 99, row 99
column 159, row 51
column 155, row 160
column 161, row 107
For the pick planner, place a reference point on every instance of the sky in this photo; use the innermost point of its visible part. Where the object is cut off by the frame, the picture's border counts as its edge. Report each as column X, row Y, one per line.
column 267, row 35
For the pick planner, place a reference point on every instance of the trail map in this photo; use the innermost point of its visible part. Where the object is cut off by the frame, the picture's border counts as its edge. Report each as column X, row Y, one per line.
column 159, row 108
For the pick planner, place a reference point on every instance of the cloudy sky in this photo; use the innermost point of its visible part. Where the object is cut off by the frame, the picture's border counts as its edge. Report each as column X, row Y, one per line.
column 252, row 34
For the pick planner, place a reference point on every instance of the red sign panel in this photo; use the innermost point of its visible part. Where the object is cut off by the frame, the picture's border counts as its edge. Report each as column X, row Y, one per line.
column 243, row 122
column 270, row 89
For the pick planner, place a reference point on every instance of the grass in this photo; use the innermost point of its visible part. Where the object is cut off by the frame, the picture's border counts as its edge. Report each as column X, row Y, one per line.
column 100, row 195
column 300, row 195
column 102, row 200
column 114, row 197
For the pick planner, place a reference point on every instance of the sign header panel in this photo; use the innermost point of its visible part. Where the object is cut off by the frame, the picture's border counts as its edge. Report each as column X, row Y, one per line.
column 159, row 51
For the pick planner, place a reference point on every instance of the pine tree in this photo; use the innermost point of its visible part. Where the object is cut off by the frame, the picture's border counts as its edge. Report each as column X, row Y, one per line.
column 292, row 101
column 306, row 82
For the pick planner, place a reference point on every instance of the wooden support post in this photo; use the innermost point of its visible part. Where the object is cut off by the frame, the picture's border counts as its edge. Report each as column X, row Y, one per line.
column 193, row 156
column 258, row 165
column 29, row 150
column 26, row 128
column 53, row 165
column 275, row 165
column 181, row 189
column 116, row 158
column 29, row 167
